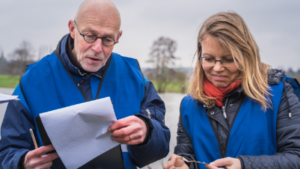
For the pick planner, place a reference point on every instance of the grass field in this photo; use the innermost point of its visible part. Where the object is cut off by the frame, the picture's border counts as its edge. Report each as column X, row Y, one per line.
column 173, row 87
column 8, row 81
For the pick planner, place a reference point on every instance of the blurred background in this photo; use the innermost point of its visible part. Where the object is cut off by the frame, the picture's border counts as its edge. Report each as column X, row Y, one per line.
column 31, row 29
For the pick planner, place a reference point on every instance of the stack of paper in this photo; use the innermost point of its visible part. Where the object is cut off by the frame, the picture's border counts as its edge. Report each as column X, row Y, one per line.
column 7, row 98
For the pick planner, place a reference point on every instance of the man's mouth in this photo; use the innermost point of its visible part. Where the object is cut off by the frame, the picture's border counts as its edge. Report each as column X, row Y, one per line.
column 94, row 60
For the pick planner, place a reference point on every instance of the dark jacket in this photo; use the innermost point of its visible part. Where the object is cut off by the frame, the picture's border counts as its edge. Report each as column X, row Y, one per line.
column 287, row 132
column 16, row 141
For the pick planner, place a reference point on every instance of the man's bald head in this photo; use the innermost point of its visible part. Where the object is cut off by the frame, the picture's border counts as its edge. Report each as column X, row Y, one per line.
column 98, row 19
column 104, row 9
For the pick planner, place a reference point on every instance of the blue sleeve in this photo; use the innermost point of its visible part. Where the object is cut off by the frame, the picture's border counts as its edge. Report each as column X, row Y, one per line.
column 15, row 137
column 157, row 146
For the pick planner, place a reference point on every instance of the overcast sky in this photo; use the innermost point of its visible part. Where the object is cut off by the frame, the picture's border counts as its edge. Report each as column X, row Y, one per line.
column 274, row 24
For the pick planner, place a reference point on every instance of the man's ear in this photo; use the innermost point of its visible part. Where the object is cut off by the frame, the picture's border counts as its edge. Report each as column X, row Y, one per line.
column 119, row 35
column 71, row 26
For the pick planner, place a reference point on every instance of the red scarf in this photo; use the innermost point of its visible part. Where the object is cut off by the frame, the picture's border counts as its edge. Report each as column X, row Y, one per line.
column 219, row 94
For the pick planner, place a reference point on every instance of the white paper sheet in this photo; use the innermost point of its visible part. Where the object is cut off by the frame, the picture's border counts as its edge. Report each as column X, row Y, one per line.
column 6, row 98
column 79, row 132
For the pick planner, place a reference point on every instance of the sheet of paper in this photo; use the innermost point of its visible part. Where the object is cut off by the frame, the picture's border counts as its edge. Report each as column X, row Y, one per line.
column 79, row 132
column 6, row 98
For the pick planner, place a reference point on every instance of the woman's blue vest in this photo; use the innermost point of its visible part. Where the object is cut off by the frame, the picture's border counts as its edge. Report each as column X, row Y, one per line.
column 47, row 86
column 253, row 131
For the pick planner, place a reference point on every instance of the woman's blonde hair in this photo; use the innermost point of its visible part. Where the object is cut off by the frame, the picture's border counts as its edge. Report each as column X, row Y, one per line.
column 231, row 31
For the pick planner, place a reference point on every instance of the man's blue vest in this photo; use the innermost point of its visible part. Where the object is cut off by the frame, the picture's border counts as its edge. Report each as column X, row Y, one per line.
column 252, row 133
column 47, row 86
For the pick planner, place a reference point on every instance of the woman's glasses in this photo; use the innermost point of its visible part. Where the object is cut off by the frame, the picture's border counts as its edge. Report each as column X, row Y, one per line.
column 210, row 62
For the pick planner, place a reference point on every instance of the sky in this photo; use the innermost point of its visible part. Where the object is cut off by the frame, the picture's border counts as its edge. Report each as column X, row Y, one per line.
column 274, row 24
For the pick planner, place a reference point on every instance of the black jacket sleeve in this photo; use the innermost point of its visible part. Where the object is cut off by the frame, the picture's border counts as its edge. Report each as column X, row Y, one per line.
column 287, row 134
column 15, row 137
column 184, row 147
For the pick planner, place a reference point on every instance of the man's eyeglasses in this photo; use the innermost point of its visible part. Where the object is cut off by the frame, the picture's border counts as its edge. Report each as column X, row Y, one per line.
column 210, row 62
column 90, row 38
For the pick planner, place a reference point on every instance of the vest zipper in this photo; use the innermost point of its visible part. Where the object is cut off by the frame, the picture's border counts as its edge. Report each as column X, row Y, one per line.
column 223, row 155
column 223, row 108
column 230, row 127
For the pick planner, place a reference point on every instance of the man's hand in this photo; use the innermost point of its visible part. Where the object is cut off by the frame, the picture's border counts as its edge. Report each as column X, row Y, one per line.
column 175, row 162
column 129, row 130
column 36, row 159
column 229, row 163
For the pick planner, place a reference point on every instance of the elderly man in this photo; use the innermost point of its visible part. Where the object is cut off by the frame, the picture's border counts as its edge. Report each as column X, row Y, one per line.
column 83, row 68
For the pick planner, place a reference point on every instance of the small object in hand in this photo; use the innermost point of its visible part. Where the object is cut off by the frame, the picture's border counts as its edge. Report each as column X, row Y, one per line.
column 33, row 138
column 184, row 159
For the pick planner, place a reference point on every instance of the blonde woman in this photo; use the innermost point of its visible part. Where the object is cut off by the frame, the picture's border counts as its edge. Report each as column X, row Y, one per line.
column 240, row 113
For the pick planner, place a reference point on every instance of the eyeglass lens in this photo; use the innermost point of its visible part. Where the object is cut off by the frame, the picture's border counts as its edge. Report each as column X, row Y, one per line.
column 210, row 62
column 89, row 37
column 105, row 40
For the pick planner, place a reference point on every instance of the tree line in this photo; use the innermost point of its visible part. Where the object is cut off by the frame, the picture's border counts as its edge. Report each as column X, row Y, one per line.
column 162, row 56
column 15, row 63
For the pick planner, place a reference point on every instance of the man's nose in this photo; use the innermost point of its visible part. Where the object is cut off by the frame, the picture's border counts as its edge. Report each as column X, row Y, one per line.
column 218, row 67
column 97, row 45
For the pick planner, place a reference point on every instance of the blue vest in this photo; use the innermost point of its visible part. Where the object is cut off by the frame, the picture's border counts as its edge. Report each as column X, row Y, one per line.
column 47, row 86
column 253, row 131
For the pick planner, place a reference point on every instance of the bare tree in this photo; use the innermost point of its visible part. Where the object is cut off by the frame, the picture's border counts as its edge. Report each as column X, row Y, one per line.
column 181, row 77
column 162, row 56
column 21, row 57
column 3, row 63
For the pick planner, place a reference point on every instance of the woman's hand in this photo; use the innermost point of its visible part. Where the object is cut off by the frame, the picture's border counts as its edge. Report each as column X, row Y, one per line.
column 176, row 162
column 229, row 163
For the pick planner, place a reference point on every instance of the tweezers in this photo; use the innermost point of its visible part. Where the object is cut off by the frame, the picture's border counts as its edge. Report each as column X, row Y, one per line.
column 184, row 159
